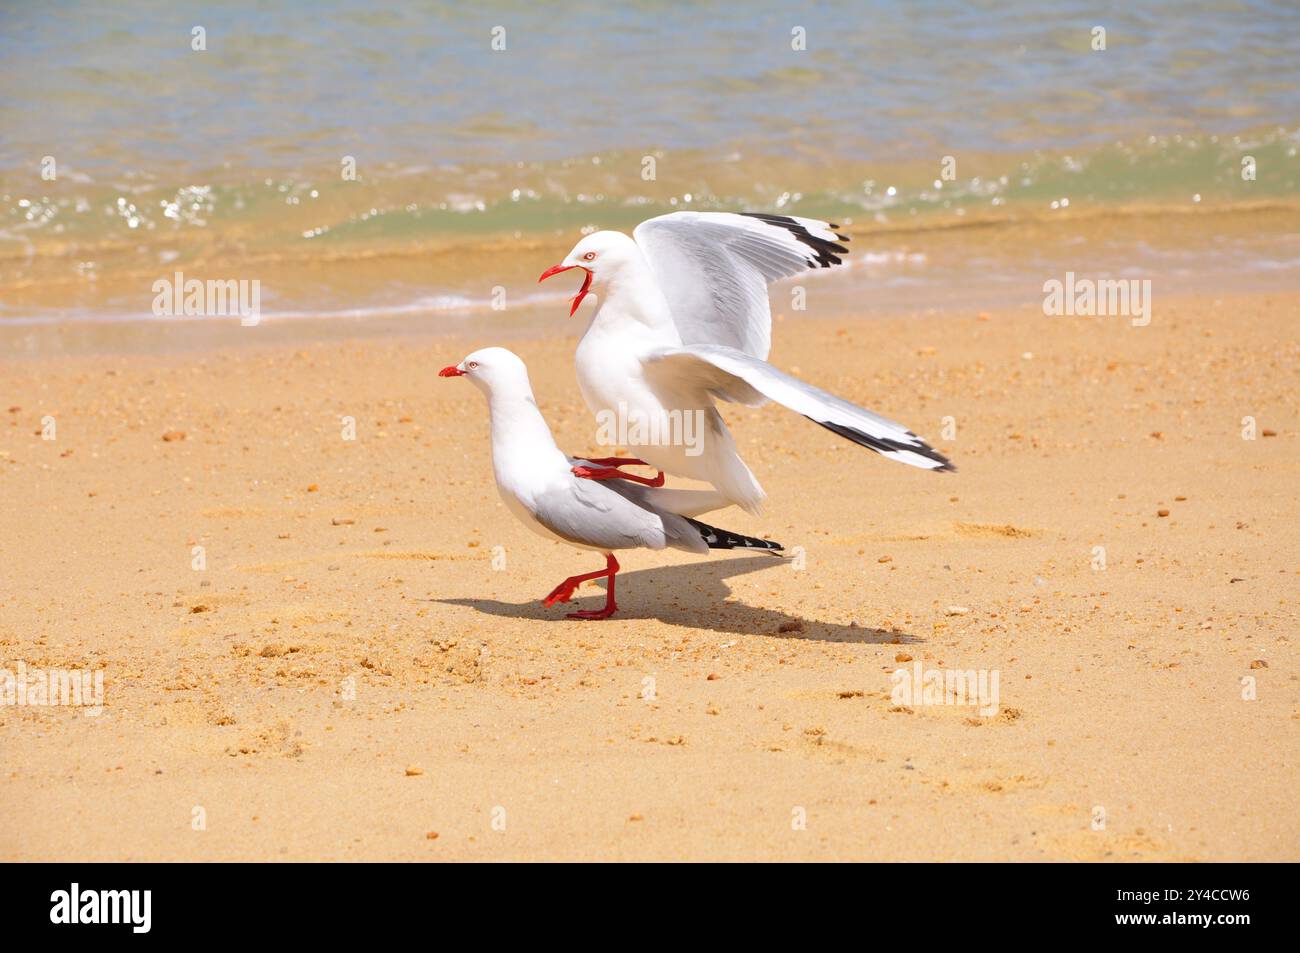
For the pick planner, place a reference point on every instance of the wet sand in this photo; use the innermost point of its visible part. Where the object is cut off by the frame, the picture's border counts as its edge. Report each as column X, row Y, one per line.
column 350, row 677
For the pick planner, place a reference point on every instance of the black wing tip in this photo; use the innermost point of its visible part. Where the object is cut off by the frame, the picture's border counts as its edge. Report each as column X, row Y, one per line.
column 885, row 445
column 827, row 251
column 716, row 538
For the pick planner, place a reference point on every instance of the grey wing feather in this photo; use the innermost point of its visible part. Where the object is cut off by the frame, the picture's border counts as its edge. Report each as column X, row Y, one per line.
column 629, row 512
column 612, row 514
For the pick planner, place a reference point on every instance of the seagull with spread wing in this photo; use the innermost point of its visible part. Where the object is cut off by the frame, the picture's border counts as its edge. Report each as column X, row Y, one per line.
column 684, row 320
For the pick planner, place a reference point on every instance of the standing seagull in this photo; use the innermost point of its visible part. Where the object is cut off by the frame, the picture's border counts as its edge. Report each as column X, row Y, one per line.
column 538, row 483
column 684, row 320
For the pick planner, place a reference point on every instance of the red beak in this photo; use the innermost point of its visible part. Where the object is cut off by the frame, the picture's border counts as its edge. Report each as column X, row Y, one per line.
column 452, row 371
column 582, row 292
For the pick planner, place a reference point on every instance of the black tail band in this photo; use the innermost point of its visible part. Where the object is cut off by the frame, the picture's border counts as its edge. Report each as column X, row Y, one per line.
column 725, row 539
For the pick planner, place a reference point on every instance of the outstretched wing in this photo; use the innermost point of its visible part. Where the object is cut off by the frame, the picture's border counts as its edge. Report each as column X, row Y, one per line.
column 729, row 374
column 714, row 269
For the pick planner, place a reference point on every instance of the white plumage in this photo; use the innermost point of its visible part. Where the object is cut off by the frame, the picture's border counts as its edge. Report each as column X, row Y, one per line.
column 539, row 486
column 684, row 320
column 714, row 269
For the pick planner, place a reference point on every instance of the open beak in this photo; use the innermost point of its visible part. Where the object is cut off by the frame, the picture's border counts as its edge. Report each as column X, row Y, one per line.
column 452, row 371
column 582, row 292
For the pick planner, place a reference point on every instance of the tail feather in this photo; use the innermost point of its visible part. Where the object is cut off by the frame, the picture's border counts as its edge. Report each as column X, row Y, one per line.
column 716, row 538
column 728, row 473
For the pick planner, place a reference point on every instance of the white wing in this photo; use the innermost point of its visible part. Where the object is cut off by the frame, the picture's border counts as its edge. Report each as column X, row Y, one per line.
column 729, row 374
column 714, row 269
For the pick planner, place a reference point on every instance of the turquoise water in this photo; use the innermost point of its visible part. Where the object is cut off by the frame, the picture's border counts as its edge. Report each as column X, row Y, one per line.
column 116, row 89
column 231, row 158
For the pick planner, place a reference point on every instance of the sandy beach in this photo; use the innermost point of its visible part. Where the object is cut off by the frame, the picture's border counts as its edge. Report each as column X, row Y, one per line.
column 322, row 648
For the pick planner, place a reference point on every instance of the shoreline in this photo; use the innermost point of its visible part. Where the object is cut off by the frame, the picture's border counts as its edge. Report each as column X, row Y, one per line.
column 490, row 283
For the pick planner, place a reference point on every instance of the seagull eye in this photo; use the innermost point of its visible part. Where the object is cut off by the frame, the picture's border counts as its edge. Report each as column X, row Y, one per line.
column 590, row 256
column 472, row 364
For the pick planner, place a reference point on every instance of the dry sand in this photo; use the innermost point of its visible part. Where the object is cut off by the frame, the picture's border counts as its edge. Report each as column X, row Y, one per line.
column 505, row 730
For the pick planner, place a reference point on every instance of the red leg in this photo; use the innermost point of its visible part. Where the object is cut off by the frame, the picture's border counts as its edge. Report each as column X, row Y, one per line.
column 611, row 473
column 611, row 567
column 617, row 461
column 564, row 591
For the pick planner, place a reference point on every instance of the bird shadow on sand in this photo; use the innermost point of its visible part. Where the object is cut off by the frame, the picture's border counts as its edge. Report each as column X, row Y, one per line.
column 693, row 595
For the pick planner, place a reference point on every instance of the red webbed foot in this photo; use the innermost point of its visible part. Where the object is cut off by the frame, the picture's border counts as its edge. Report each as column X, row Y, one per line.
column 613, row 473
column 561, row 593
column 564, row 591
column 592, row 614
column 617, row 461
